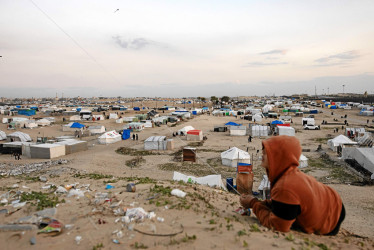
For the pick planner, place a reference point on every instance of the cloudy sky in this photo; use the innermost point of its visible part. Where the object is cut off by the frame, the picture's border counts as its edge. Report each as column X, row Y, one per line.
column 185, row 48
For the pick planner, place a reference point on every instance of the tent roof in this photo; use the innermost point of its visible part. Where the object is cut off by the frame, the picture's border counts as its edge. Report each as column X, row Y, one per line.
column 22, row 136
column 155, row 138
column 276, row 122
column 235, row 153
column 186, row 129
column 77, row 125
column 342, row 139
column 110, row 134
column 232, row 124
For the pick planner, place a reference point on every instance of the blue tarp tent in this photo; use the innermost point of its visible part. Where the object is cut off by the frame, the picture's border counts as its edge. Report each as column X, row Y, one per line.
column 77, row 125
column 232, row 124
column 126, row 134
column 79, row 109
column 314, row 111
column 276, row 122
column 333, row 107
column 136, row 108
column 29, row 112
column 194, row 112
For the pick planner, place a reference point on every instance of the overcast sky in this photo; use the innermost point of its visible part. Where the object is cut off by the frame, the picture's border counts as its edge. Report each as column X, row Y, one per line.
column 185, row 48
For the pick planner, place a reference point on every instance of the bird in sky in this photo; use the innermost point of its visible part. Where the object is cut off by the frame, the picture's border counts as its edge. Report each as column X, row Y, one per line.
column 116, row 10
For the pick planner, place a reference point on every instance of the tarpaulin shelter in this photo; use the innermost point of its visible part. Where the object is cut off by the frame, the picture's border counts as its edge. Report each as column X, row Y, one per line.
column 19, row 136
column 126, row 134
column 77, row 125
column 340, row 140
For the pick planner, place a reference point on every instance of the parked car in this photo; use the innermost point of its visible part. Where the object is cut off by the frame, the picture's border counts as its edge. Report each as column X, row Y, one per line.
column 311, row 127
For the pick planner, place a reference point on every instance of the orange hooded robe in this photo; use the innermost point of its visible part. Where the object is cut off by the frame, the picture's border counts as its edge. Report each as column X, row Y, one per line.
column 297, row 199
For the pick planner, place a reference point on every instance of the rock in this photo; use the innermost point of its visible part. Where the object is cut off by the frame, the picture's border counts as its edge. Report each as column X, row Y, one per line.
column 48, row 212
column 33, row 241
column 28, row 220
column 43, row 178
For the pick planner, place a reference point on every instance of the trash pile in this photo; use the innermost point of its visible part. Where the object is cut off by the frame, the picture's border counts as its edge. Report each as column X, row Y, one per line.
column 15, row 170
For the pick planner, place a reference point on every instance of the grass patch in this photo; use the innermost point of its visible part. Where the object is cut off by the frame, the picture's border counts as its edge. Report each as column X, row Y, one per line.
column 41, row 200
column 95, row 176
column 135, row 162
column 134, row 152
column 199, row 169
column 196, row 144
column 336, row 171
column 322, row 140
column 255, row 228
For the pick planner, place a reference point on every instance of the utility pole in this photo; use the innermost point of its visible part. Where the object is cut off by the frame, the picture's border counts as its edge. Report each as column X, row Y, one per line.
column 315, row 91
column 343, row 88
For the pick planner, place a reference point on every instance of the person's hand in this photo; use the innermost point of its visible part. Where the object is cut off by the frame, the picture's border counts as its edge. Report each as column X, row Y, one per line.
column 245, row 200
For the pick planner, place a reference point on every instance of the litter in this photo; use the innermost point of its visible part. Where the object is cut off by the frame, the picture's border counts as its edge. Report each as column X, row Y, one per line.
column 115, row 241
column 178, row 193
column 54, row 226
column 108, row 186
column 75, row 192
column 136, row 214
column 78, row 239
column 61, row 190
column 19, row 204
column 33, row 241
column 160, row 219
column 243, row 211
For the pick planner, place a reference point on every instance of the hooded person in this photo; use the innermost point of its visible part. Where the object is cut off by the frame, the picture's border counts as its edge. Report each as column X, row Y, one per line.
column 297, row 199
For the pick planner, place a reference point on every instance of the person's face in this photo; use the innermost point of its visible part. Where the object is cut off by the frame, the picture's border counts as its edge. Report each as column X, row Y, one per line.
column 265, row 160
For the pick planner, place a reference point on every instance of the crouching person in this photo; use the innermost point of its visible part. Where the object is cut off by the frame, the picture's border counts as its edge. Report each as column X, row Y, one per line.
column 298, row 201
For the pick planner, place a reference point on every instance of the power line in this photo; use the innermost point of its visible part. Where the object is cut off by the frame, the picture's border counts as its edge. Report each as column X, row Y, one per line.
column 73, row 40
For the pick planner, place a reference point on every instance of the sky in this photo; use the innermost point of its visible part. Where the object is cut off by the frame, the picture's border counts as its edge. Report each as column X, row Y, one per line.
column 169, row 48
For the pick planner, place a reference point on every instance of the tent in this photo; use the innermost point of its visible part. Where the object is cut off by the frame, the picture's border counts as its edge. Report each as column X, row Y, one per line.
column 47, row 151
column 73, row 146
column 75, row 118
column 134, row 126
column 363, row 156
column 109, row 137
column 276, row 122
column 340, row 140
column 210, row 180
column 232, row 124
column 257, row 117
column 2, row 135
column 77, row 125
column 96, row 129
column 185, row 130
column 234, row 155
column 303, row 161
column 285, row 130
column 98, row 117
column 155, row 143
column 113, row 116
column 238, row 130
column 19, row 136
column 194, row 135
column 43, row 122
column 126, row 134
column 259, row 131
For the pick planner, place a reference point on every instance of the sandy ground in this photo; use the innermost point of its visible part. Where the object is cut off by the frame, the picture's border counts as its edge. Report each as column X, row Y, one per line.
column 204, row 219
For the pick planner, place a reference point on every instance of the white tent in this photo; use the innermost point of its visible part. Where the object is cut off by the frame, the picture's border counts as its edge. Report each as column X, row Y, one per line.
column 363, row 156
column 75, row 118
column 257, row 117
column 340, row 140
column 303, row 161
column 259, row 131
column 210, row 180
column 96, row 129
column 29, row 124
column 155, row 143
column 2, row 135
column 109, row 137
column 43, row 122
column 234, row 155
column 135, row 126
column 47, row 151
column 113, row 116
column 185, row 130
column 238, row 130
column 19, row 136
column 98, row 117
column 283, row 130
